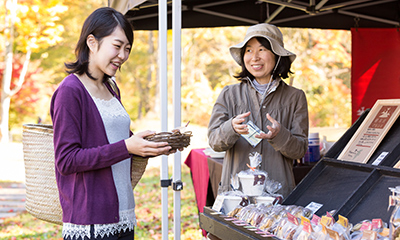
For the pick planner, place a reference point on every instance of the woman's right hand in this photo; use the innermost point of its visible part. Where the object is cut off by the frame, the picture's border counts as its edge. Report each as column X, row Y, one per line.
column 137, row 145
column 237, row 123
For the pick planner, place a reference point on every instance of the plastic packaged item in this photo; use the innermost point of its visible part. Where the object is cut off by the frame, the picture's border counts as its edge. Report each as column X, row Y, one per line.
column 370, row 230
column 245, row 212
column 233, row 201
column 342, row 227
column 394, row 225
column 324, row 146
column 264, row 199
column 306, row 231
column 228, row 201
column 253, row 180
column 272, row 186
column 320, row 233
column 253, row 183
column 267, row 223
column 287, row 227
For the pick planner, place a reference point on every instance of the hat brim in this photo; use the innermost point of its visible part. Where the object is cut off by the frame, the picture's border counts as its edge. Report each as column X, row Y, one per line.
column 275, row 46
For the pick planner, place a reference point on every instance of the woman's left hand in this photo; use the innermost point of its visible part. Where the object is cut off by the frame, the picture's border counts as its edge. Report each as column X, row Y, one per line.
column 272, row 130
column 137, row 145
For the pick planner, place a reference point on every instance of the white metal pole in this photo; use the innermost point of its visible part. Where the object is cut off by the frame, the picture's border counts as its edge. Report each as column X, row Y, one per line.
column 176, row 63
column 163, row 77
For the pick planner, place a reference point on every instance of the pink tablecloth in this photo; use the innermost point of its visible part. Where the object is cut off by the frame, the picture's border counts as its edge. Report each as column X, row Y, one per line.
column 197, row 162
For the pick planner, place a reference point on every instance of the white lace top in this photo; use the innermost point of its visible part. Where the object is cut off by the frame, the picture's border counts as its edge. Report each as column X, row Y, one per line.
column 116, row 122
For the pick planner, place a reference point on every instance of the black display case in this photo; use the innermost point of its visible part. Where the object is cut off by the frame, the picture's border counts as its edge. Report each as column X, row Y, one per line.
column 356, row 191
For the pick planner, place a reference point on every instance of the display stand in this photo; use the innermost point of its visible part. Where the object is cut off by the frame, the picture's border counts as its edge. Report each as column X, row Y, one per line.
column 355, row 190
column 372, row 131
column 386, row 154
column 358, row 191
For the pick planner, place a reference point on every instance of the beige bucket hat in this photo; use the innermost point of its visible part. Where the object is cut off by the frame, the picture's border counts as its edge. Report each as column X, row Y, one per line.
column 267, row 31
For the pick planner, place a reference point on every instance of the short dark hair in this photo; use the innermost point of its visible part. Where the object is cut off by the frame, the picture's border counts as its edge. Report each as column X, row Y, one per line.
column 281, row 71
column 101, row 23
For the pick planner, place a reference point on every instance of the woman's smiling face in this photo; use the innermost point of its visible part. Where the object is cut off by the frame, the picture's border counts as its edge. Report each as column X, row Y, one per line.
column 111, row 52
column 259, row 61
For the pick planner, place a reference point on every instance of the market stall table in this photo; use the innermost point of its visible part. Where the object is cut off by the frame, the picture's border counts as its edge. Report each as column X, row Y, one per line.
column 201, row 168
column 206, row 175
column 199, row 163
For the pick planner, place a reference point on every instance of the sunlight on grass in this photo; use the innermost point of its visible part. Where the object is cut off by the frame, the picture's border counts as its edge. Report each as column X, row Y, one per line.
column 25, row 226
column 148, row 207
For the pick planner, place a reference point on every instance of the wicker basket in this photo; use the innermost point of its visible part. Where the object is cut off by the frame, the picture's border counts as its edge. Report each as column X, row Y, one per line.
column 42, row 200
column 138, row 168
column 41, row 188
column 175, row 139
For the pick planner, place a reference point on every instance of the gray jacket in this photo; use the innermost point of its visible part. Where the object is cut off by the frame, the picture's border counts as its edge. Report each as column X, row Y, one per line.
column 284, row 103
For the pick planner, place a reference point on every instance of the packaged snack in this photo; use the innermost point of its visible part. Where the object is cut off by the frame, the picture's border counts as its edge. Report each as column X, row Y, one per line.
column 306, row 232
column 320, row 233
column 232, row 200
column 253, row 180
column 342, row 227
column 287, row 227
column 245, row 212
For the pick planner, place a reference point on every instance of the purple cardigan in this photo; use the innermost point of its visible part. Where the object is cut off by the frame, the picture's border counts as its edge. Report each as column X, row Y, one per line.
column 83, row 156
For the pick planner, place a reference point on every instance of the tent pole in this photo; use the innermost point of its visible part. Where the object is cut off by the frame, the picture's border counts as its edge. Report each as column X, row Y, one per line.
column 176, row 64
column 163, row 78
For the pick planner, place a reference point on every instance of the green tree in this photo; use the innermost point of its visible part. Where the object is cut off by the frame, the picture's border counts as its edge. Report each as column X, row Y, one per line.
column 207, row 67
column 322, row 69
column 52, row 58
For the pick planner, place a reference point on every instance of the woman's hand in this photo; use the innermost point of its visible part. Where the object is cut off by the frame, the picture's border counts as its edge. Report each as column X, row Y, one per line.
column 141, row 147
column 237, row 123
column 273, row 130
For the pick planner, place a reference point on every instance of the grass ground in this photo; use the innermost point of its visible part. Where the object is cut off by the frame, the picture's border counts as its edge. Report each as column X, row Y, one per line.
column 148, row 212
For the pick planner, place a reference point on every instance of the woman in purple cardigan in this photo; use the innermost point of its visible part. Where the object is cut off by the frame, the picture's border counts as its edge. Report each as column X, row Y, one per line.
column 93, row 143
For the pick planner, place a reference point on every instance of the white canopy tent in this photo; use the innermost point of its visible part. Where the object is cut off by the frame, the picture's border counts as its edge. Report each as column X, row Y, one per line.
column 123, row 7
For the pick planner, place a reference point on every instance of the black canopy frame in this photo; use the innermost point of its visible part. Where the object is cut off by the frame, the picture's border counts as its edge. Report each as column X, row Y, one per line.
column 323, row 14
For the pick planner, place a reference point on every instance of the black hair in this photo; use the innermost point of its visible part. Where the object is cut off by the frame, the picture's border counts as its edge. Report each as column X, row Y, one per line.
column 282, row 70
column 101, row 23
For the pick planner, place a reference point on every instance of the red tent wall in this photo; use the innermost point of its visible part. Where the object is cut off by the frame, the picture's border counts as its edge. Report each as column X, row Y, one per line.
column 375, row 70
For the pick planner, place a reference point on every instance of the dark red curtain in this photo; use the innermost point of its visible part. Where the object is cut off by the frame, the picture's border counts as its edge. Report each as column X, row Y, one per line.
column 375, row 67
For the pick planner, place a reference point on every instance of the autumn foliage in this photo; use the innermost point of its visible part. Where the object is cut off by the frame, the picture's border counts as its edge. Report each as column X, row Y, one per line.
column 322, row 67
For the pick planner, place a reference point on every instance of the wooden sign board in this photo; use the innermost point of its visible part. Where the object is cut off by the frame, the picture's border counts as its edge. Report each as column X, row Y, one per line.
column 371, row 132
column 397, row 165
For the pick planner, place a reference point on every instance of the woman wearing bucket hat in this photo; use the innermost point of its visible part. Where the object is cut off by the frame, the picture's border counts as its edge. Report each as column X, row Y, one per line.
column 260, row 100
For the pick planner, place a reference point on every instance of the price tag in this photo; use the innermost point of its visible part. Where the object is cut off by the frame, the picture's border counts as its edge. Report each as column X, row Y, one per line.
column 315, row 219
column 366, row 226
column 380, row 158
column 217, row 206
column 293, row 219
column 306, row 224
column 343, row 221
column 314, row 207
column 377, row 223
